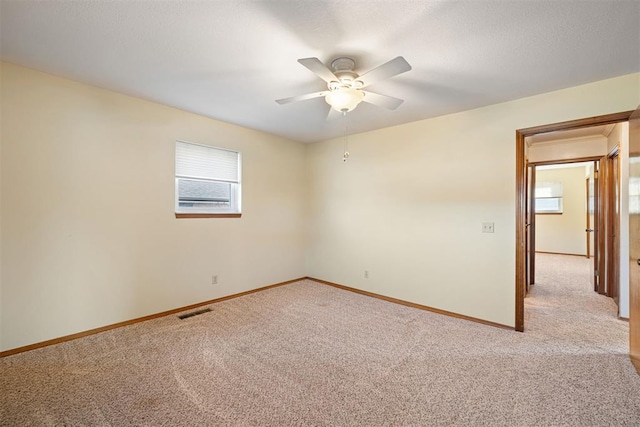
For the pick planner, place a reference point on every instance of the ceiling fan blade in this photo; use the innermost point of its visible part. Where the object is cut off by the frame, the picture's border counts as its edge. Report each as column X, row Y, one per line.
column 302, row 97
column 382, row 100
column 317, row 67
column 392, row 68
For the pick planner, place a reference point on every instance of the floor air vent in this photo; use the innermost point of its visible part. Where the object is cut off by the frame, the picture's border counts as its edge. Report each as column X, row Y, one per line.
column 194, row 313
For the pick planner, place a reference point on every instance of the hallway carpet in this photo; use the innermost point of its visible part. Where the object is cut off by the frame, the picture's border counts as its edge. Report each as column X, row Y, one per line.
column 309, row 354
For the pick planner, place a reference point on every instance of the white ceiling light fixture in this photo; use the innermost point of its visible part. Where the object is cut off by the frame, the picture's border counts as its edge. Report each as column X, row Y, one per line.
column 344, row 99
column 344, row 94
column 345, row 86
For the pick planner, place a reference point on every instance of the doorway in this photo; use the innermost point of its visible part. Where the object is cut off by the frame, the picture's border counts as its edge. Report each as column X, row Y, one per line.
column 524, row 204
column 568, row 213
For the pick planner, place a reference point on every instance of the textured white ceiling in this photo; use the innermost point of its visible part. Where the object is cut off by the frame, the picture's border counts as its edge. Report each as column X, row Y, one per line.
column 230, row 60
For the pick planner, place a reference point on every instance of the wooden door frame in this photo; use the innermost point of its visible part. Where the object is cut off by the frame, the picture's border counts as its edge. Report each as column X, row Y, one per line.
column 521, row 170
column 634, row 258
column 612, row 219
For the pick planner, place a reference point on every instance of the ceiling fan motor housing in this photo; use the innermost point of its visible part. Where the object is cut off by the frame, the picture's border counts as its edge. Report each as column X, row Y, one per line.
column 343, row 69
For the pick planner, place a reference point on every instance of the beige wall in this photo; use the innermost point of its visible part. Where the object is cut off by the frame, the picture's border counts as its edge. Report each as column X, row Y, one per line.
column 568, row 149
column 564, row 233
column 89, row 234
column 409, row 204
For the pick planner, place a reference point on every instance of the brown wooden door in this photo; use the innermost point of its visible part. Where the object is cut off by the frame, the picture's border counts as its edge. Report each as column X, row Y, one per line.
column 613, row 225
column 601, row 228
column 634, row 238
column 531, row 226
column 588, row 230
column 593, row 229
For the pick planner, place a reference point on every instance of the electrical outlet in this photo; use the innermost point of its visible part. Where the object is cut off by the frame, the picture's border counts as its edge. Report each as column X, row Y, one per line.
column 366, row 274
column 487, row 227
column 214, row 279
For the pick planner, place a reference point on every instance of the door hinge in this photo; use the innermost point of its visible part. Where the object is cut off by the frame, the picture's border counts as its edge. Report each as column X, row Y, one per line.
column 595, row 273
column 595, row 174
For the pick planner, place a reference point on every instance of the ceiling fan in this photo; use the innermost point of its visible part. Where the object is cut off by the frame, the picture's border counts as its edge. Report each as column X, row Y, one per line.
column 345, row 87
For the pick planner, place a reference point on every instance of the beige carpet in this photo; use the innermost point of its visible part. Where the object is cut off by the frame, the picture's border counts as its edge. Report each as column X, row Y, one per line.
column 309, row 354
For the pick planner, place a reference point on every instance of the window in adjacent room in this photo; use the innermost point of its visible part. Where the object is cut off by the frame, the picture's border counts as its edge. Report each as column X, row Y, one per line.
column 207, row 181
column 634, row 195
column 549, row 197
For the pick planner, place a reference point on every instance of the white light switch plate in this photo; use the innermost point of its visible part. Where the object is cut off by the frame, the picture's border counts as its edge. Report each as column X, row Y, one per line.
column 487, row 227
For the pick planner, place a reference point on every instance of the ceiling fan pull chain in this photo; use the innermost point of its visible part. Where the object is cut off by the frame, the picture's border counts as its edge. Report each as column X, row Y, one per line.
column 345, row 156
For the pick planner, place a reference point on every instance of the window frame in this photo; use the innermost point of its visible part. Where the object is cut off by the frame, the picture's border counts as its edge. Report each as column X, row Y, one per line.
column 235, row 196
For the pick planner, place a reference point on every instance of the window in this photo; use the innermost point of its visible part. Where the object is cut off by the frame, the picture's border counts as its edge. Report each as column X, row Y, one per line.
column 207, row 180
column 634, row 195
column 634, row 186
column 548, row 197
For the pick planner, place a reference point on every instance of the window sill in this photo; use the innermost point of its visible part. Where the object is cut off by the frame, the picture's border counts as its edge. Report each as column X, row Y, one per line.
column 548, row 213
column 208, row 215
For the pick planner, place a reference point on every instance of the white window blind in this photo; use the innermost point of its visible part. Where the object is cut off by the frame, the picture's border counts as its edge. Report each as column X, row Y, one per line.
column 548, row 197
column 207, row 180
column 548, row 189
column 202, row 162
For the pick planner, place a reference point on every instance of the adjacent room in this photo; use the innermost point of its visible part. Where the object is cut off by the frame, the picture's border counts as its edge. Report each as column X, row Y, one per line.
column 319, row 213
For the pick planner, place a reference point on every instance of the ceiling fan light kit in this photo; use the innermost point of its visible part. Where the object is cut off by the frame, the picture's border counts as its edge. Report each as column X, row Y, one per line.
column 344, row 99
column 345, row 85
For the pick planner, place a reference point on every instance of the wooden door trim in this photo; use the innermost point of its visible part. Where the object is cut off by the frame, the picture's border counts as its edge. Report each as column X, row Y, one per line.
column 521, row 220
column 634, row 284
column 566, row 161
column 521, row 134
column 606, row 119
column 612, row 219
